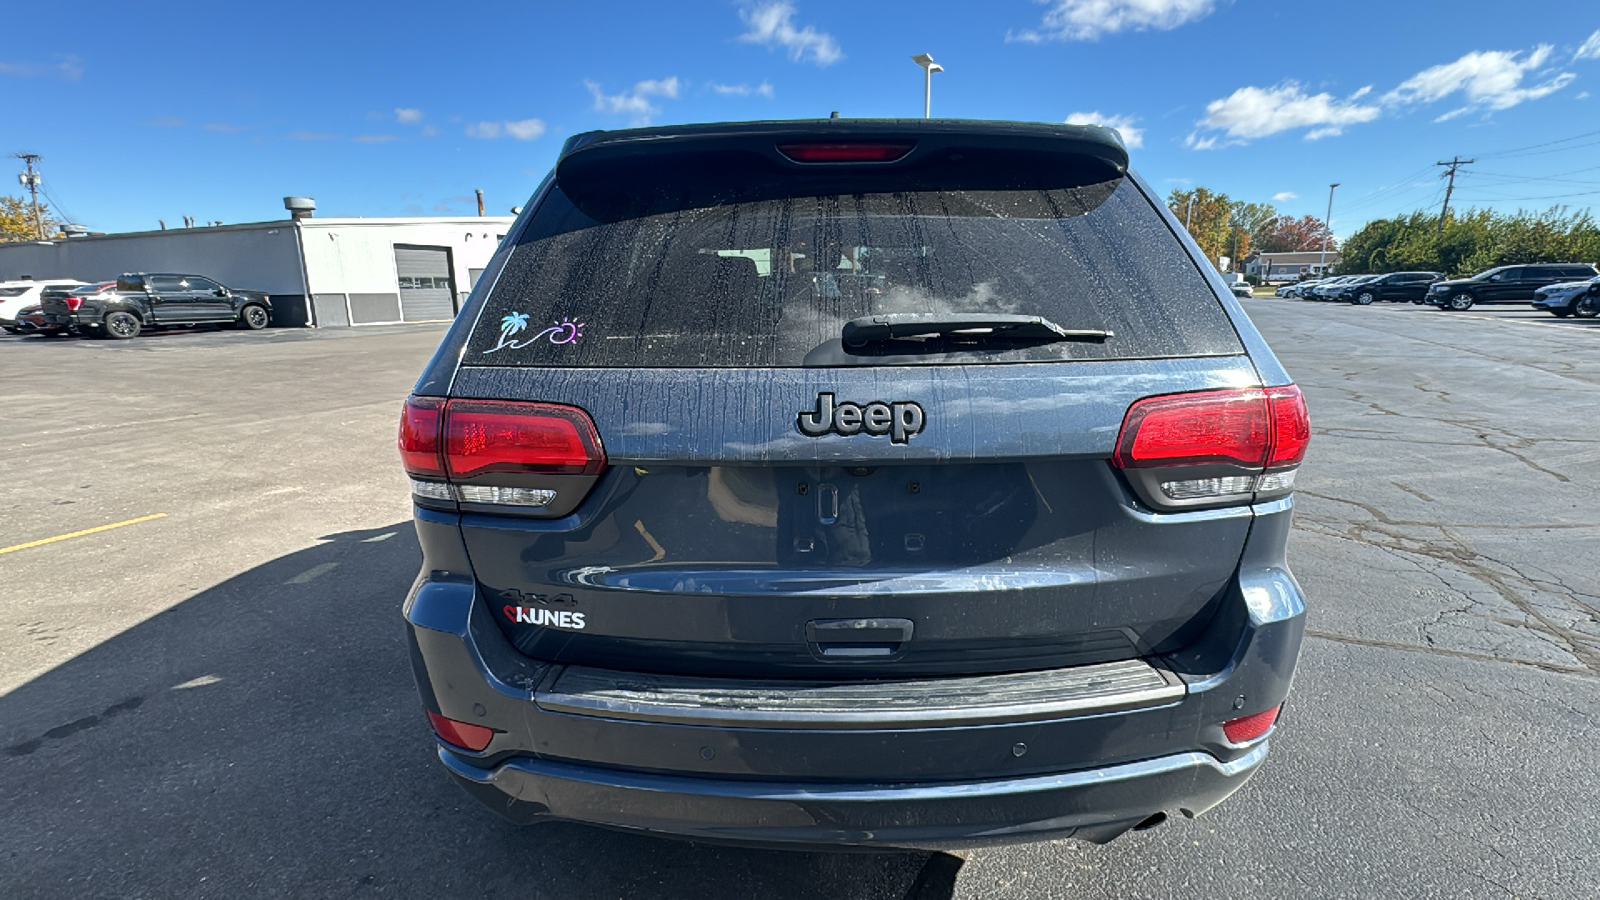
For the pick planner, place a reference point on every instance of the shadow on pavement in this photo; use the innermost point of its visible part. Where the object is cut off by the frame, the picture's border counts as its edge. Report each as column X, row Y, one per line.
column 264, row 738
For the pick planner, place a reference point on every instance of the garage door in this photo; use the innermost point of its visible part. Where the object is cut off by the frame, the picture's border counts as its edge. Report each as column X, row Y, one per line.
column 425, row 288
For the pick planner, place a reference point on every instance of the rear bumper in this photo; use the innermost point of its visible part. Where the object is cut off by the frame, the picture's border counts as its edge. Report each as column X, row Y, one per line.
column 926, row 784
column 1095, row 804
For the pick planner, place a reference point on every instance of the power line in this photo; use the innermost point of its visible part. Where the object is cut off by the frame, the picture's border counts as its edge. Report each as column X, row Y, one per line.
column 1544, row 197
column 1496, row 154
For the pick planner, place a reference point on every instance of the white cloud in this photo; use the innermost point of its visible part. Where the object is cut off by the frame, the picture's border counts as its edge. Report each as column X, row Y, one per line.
column 1132, row 135
column 772, row 24
column 1590, row 48
column 526, row 129
column 1252, row 112
column 69, row 68
column 1489, row 79
column 407, row 115
column 1285, row 196
column 522, row 130
column 374, row 138
column 743, row 90
column 636, row 102
column 1088, row 20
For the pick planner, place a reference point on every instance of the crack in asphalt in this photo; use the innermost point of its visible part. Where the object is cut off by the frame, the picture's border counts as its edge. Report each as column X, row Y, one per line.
column 1386, row 535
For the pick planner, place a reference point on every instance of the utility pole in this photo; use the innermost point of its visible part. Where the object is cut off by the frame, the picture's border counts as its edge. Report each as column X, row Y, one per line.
column 1327, row 229
column 1452, row 165
column 31, row 179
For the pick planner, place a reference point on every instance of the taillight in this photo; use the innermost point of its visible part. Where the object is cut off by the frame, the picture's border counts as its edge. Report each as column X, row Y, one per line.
column 1190, row 429
column 463, row 734
column 489, row 436
column 73, row 303
column 1212, row 447
column 420, row 425
column 482, row 451
column 1245, row 729
column 836, row 152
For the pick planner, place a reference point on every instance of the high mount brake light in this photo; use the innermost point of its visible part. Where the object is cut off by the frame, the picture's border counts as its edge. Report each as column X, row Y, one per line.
column 445, row 442
column 835, row 152
column 1245, row 441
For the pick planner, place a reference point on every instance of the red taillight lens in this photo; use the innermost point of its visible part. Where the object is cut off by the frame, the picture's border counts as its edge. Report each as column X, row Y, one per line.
column 1291, row 426
column 1191, row 429
column 73, row 303
column 463, row 734
column 489, row 436
column 842, row 152
column 1245, row 729
column 420, row 425
column 1252, row 427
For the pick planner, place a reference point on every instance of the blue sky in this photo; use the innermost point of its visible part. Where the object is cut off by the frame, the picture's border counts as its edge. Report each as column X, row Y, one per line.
column 156, row 111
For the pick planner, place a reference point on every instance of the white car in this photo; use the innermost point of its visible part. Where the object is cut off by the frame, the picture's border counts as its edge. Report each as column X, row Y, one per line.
column 18, row 295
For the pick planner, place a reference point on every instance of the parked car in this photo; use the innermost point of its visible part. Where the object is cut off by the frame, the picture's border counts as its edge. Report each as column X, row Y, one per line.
column 1299, row 289
column 142, row 301
column 30, row 320
column 1504, row 284
column 16, row 296
column 1394, row 287
column 1324, row 289
column 718, row 546
column 1241, row 289
column 1563, row 299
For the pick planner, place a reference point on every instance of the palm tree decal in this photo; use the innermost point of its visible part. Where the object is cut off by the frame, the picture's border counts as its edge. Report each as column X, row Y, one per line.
column 508, row 326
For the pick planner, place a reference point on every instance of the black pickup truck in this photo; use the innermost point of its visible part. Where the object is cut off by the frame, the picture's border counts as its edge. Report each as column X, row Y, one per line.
column 143, row 301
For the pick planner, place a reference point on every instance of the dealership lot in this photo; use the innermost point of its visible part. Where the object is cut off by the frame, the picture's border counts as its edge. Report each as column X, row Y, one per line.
column 212, row 698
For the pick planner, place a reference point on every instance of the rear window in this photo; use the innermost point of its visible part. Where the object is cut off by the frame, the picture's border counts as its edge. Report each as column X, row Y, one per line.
column 770, row 283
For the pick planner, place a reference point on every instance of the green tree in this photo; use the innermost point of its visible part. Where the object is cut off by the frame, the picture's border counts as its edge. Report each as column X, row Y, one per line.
column 1470, row 241
column 16, row 220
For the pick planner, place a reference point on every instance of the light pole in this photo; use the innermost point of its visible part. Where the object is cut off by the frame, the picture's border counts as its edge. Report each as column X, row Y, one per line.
column 928, row 68
column 1327, row 229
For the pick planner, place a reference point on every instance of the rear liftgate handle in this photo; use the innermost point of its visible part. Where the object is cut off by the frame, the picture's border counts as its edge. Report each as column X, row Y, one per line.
column 858, row 639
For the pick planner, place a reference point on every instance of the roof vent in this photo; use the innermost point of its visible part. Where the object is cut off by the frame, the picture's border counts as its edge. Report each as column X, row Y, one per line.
column 74, row 230
column 300, row 207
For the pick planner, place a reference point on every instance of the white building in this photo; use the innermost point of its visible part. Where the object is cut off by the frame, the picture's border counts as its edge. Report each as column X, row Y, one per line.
column 323, row 272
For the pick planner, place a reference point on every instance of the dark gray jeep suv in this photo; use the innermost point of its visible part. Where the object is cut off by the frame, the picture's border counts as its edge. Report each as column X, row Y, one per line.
column 852, row 482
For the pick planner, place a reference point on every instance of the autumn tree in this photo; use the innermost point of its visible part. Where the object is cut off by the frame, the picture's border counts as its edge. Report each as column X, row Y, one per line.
column 17, row 223
column 1286, row 234
column 1219, row 225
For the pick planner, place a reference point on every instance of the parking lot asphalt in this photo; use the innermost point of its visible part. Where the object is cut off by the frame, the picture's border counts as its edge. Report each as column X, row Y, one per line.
column 212, row 699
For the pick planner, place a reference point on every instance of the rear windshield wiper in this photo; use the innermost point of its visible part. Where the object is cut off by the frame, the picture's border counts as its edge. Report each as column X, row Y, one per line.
column 962, row 328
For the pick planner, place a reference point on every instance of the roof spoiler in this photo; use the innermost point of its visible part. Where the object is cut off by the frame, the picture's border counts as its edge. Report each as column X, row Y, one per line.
column 612, row 173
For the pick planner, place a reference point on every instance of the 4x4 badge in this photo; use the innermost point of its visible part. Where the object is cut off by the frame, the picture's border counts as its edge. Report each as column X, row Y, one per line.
column 898, row 420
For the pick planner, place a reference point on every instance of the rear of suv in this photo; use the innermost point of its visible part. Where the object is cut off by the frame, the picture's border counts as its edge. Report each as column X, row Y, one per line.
column 852, row 482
